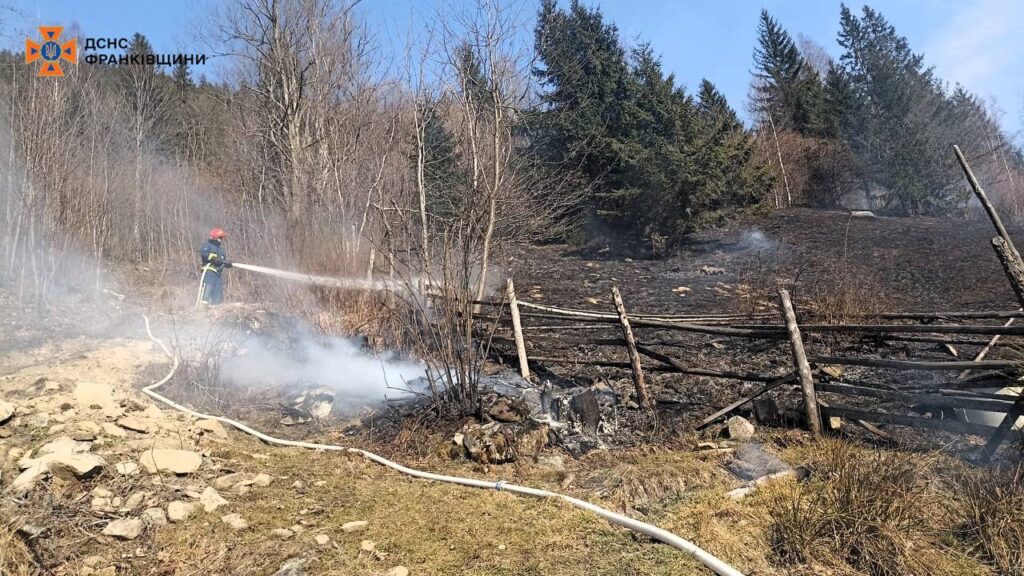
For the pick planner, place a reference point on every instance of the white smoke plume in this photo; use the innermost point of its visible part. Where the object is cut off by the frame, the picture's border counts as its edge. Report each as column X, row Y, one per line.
column 358, row 378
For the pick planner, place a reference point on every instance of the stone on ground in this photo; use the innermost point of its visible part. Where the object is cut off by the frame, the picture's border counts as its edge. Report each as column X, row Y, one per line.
column 155, row 516
column 124, row 529
column 292, row 567
column 211, row 499
column 6, row 411
column 263, row 480
column 740, row 428
column 168, row 460
column 111, row 429
column 213, row 427
column 282, row 533
column 127, row 468
column 354, row 526
column 179, row 511
column 134, row 424
column 322, row 539
column 397, row 571
column 235, row 521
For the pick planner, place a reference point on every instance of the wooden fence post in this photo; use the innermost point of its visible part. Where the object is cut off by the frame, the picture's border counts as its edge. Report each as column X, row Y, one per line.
column 802, row 367
column 643, row 398
column 1013, row 266
column 517, row 330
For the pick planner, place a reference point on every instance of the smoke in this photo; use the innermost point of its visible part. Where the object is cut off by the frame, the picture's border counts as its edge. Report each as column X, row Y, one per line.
column 359, row 379
column 754, row 240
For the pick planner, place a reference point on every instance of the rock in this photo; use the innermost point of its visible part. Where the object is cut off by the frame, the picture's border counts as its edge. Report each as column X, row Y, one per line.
column 213, row 427
column 6, row 411
column 298, row 485
column 83, row 436
column 40, row 420
column 155, row 516
column 101, row 504
column 111, row 429
column 179, row 511
column 229, row 480
column 397, row 571
column 263, row 480
column 168, row 460
column 297, row 528
column 65, row 465
column 134, row 424
column 31, row 530
column 124, row 529
column 98, row 395
column 101, row 492
column 64, row 444
column 354, row 526
column 134, row 501
column 282, row 533
column 322, row 539
column 153, row 412
column 127, row 468
column 292, row 567
column 367, row 546
column 739, row 428
column 235, row 521
column 211, row 499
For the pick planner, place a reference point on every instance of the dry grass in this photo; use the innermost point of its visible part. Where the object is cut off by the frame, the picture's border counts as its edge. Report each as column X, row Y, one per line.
column 990, row 511
column 869, row 511
column 15, row 557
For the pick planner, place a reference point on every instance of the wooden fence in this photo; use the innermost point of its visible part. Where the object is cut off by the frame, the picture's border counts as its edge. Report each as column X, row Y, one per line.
column 806, row 368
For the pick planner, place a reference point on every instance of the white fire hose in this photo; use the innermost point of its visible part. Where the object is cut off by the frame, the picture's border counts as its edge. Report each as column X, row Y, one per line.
column 706, row 558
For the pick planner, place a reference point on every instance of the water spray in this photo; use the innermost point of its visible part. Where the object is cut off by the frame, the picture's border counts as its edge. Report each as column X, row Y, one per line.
column 345, row 283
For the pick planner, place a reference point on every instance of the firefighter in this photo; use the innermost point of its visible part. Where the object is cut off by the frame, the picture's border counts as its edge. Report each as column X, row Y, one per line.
column 214, row 261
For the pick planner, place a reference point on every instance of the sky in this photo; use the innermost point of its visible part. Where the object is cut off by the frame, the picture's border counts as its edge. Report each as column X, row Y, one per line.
column 978, row 43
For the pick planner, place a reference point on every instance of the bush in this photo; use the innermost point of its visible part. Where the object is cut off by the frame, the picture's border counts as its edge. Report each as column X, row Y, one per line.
column 990, row 513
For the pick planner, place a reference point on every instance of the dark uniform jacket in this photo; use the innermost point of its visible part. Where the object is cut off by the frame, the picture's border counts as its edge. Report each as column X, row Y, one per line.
column 213, row 257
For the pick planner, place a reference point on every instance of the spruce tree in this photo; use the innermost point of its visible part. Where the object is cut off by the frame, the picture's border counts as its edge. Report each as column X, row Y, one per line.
column 787, row 88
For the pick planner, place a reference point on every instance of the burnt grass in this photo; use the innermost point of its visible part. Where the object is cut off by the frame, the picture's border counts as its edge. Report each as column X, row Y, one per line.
column 835, row 266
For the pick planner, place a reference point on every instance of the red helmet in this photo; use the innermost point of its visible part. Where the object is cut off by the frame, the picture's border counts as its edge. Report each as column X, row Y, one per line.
column 217, row 234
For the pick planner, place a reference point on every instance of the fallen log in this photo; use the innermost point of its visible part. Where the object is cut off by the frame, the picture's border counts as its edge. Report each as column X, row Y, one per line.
column 658, row 368
column 938, row 401
column 893, row 328
column 684, row 369
column 913, row 421
column 915, row 365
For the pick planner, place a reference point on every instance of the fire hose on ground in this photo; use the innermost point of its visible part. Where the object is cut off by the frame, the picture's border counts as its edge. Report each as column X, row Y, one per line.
column 705, row 557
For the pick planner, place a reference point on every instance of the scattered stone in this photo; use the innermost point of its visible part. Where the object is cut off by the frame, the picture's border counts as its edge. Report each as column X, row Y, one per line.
column 179, row 511
column 397, row 571
column 292, row 567
column 6, row 411
column 367, row 546
column 101, row 492
column 83, row 436
column 229, row 480
column 711, row 270
column 282, row 533
column 263, row 480
column 214, row 427
column 354, row 526
column 298, row 484
column 127, row 468
column 297, row 528
column 739, row 428
column 211, row 499
column 168, row 460
column 134, row 424
column 124, row 529
column 155, row 516
column 153, row 412
column 134, row 501
column 111, row 429
column 64, row 444
column 101, row 504
column 322, row 539
column 235, row 521
column 40, row 420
